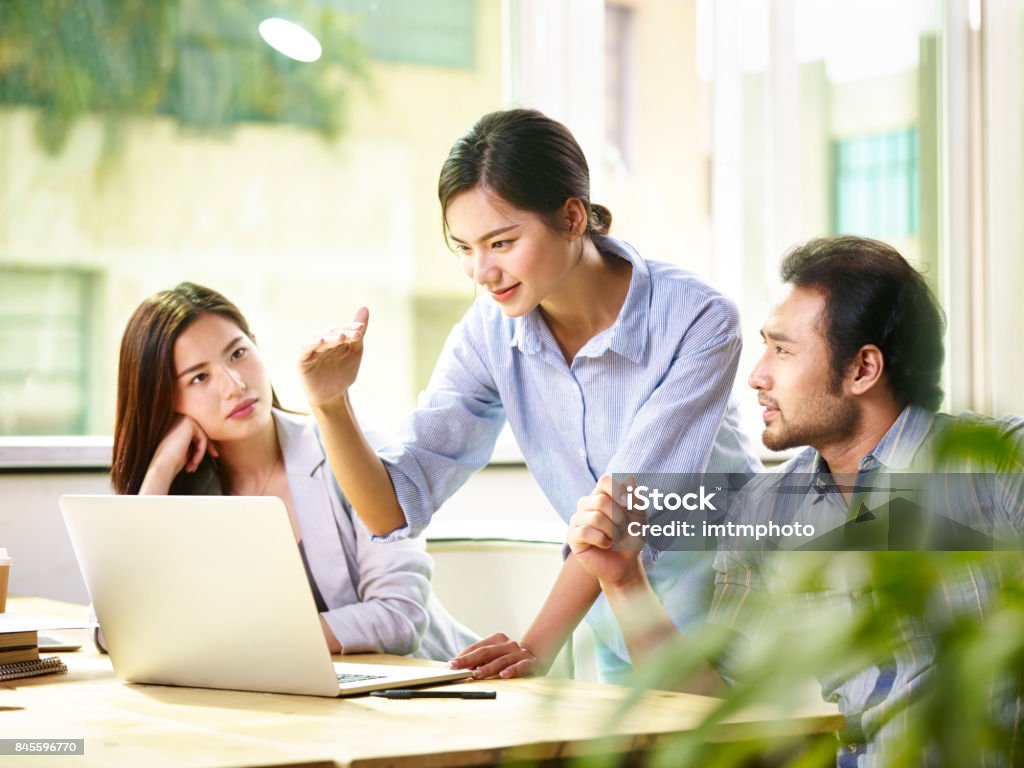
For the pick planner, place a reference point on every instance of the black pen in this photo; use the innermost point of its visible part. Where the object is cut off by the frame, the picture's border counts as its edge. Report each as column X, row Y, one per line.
column 407, row 693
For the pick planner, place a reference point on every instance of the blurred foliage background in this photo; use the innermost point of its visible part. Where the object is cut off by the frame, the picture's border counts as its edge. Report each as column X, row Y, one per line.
column 196, row 61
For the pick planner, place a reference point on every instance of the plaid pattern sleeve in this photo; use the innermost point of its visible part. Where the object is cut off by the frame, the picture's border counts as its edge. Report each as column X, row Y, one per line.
column 882, row 699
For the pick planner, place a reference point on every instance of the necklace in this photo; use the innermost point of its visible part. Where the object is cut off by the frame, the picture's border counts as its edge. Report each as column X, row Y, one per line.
column 266, row 482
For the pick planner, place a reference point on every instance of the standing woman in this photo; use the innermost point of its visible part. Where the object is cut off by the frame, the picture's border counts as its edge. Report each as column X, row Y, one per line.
column 600, row 361
column 196, row 414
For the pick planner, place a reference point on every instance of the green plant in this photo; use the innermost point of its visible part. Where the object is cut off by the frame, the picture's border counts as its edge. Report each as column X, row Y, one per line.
column 200, row 62
column 962, row 709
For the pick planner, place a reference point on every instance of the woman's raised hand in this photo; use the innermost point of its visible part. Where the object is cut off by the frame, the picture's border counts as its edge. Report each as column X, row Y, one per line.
column 182, row 448
column 329, row 362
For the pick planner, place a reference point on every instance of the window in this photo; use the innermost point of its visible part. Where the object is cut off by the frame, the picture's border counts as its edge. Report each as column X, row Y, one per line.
column 876, row 185
column 47, row 331
column 619, row 109
column 439, row 32
column 165, row 142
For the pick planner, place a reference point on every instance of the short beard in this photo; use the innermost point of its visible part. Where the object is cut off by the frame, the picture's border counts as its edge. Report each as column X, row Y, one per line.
column 828, row 418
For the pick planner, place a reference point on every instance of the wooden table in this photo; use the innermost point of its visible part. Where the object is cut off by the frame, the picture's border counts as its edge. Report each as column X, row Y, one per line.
column 533, row 718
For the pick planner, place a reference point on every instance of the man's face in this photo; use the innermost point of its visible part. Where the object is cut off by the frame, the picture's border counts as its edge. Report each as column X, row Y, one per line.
column 804, row 404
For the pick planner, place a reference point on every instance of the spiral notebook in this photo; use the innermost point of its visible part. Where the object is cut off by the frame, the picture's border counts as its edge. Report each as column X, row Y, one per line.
column 210, row 592
column 46, row 666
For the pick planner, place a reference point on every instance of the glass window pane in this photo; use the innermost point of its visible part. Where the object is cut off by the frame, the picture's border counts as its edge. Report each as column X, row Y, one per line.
column 167, row 141
column 46, row 328
column 844, row 115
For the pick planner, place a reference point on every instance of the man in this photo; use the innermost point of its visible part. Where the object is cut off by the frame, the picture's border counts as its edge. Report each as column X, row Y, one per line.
column 851, row 368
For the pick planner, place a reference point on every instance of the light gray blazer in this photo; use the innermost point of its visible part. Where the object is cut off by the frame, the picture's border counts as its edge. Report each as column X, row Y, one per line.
column 378, row 596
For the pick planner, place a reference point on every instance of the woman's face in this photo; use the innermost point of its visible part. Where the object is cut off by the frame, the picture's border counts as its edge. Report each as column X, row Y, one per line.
column 514, row 254
column 220, row 379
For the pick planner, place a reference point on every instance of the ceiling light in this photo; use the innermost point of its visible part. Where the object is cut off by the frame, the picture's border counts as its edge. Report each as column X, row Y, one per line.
column 289, row 38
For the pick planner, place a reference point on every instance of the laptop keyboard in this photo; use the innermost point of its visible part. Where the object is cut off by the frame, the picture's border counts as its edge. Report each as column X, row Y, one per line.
column 348, row 678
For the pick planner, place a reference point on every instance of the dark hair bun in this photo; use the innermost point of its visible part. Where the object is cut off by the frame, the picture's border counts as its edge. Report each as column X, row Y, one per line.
column 600, row 219
column 526, row 159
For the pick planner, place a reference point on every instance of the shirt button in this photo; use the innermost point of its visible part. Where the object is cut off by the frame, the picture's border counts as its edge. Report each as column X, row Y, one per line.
column 582, row 453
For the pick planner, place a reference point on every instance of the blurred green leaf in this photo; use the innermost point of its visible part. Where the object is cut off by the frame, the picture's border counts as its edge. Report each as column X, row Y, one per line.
column 203, row 63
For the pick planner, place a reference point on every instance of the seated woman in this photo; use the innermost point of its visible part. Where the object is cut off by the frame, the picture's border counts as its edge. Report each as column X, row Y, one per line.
column 196, row 414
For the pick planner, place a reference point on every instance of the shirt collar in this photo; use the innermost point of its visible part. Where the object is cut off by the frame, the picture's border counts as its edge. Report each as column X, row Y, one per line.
column 898, row 446
column 529, row 331
column 627, row 336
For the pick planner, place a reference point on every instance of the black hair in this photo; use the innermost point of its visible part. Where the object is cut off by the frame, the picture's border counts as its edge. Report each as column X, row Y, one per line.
column 874, row 296
column 526, row 159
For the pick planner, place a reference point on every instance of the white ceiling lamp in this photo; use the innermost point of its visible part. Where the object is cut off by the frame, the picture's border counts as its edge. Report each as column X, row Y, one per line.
column 289, row 38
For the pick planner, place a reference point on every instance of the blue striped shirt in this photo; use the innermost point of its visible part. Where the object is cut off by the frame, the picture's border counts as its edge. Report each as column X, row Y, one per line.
column 648, row 394
column 754, row 592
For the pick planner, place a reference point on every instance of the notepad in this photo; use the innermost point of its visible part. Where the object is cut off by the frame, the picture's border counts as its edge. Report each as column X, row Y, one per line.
column 45, row 666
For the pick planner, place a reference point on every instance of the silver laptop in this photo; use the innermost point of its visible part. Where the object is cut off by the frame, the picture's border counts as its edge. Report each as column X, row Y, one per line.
column 211, row 592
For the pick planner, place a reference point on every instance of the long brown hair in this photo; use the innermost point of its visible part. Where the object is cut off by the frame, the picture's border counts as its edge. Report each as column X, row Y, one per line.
column 145, row 376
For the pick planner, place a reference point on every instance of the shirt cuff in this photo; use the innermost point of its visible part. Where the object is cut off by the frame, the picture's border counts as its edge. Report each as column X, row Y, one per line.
column 408, row 494
column 396, row 535
column 648, row 556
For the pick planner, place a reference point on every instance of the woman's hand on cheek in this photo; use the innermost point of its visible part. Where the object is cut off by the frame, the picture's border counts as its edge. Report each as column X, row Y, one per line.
column 182, row 448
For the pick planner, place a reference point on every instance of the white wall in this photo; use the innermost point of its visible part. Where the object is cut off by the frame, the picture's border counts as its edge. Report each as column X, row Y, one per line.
column 32, row 530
